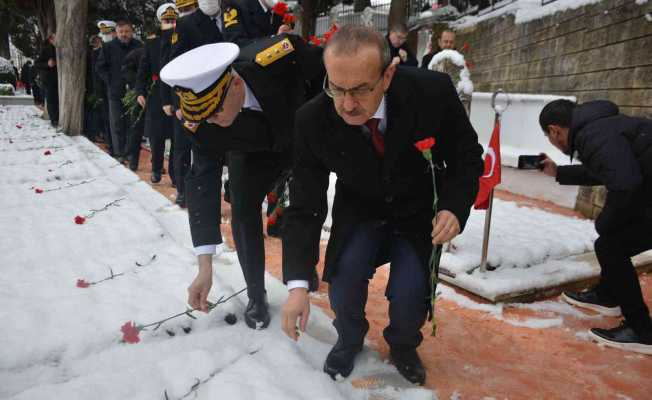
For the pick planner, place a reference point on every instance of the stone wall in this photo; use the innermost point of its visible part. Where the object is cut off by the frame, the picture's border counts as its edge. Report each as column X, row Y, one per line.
column 599, row 51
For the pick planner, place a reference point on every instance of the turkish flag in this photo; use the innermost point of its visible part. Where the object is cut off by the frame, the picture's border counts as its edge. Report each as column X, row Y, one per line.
column 491, row 176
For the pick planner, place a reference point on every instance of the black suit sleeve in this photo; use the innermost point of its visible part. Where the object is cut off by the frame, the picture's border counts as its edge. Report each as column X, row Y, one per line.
column 308, row 206
column 235, row 28
column 103, row 65
column 576, row 175
column 203, row 199
column 463, row 159
column 144, row 72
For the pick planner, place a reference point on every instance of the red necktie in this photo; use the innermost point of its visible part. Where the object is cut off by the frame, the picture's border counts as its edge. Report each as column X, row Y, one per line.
column 376, row 137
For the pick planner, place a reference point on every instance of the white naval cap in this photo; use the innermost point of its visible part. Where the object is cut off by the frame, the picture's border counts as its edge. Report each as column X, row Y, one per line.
column 167, row 11
column 199, row 68
column 106, row 26
column 200, row 78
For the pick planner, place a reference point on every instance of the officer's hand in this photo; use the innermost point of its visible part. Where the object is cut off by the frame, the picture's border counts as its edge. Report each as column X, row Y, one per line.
column 199, row 289
column 52, row 63
column 445, row 227
column 549, row 166
column 297, row 305
column 141, row 100
column 396, row 60
column 179, row 115
column 283, row 29
column 403, row 54
column 168, row 110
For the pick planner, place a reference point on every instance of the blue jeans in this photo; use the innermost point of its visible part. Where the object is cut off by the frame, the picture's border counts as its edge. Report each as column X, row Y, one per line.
column 407, row 290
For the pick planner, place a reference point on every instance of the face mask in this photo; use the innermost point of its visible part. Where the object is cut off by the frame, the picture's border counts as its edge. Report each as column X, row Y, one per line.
column 106, row 38
column 209, row 7
column 183, row 14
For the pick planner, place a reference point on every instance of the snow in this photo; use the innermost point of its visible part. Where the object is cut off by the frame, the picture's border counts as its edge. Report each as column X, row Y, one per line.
column 641, row 2
column 523, row 11
column 464, row 85
column 63, row 342
column 5, row 66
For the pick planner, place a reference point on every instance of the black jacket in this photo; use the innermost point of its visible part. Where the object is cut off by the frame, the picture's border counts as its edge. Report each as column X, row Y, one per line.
column 411, row 59
column 148, row 85
column 245, row 21
column 280, row 90
column 397, row 190
column 616, row 151
column 48, row 75
column 109, row 65
column 130, row 67
column 194, row 30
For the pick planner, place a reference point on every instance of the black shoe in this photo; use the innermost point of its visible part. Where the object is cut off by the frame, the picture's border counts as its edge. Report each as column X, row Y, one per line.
column 409, row 365
column 340, row 360
column 156, row 177
column 589, row 300
column 256, row 315
column 121, row 159
column 623, row 337
column 181, row 200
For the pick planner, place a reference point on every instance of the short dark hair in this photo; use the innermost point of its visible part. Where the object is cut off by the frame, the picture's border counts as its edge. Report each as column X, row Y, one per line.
column 123, row 22
column 557, row 112
column 446, row 30
column 399, row 27
column 349, row 38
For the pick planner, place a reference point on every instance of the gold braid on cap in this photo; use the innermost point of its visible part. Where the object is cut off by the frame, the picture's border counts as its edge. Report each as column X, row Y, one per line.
column 196, row 107
column 104, row 28
column 186, row 3
column 170, row 13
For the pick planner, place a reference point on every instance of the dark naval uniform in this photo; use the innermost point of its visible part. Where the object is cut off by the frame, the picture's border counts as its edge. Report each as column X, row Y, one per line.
column 158, row 126
column 247, row 20
column 194, row 30
column 259, row 144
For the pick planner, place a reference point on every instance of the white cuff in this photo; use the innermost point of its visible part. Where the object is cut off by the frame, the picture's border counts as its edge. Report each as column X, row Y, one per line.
column 297, row 284
column 205, row 249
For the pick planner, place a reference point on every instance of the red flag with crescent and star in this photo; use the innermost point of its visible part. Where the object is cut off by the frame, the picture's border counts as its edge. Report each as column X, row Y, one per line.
column 491, row 176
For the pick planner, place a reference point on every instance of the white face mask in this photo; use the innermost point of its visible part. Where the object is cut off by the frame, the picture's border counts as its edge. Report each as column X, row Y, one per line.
column 209, row 7
column 106, row 38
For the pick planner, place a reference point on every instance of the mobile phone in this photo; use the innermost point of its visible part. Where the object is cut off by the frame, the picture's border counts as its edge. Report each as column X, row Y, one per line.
column 531, row 162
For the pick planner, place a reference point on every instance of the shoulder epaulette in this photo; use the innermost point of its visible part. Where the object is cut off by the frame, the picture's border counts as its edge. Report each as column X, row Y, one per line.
column 274, row 52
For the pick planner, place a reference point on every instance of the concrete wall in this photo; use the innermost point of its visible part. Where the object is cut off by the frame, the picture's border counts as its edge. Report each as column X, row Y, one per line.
column 599, row 51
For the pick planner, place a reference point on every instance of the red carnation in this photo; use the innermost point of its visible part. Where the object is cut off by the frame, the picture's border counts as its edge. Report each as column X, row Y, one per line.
column 155, row 77
column 47, row 152
column 327, row 35
column 314, row 40
column 272, row 197
column 39, row 191
column 19, row 126
column 288, row 19
column 79, row 220
column 271, row 220
column 280, row 8
column 130, row 332
column 424, row 147
column 470, row 65
column 82, row 283
column 465, row 47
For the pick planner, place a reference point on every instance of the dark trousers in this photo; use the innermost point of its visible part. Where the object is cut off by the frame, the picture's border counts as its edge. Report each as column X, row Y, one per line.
column 157, row 146
column 251, row 177
column 407, row 288
column 181, row 157
column 105, row 124
column 52, row 103
column 618, row 278
column 118, row 128
column 135, row 138
column 38, row 95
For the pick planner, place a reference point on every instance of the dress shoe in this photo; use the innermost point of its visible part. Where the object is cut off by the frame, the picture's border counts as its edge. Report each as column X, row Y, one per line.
column 156, row 177
column 409, row 365
column 340, row 360
column 181, row 200
column 256, row 315
column 625, row 338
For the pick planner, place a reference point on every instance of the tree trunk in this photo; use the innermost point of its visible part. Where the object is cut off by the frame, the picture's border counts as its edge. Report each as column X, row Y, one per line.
column 397, row 13
column 360, row 5
column 4, row 42
column 71, row 62
column 308, row 18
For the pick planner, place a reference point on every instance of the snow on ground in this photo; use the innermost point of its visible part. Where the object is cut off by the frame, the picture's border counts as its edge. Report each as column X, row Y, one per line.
column 523, row 11
column 59, row 341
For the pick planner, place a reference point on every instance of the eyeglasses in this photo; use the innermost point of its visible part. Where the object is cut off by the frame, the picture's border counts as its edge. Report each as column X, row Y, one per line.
column 356, row 92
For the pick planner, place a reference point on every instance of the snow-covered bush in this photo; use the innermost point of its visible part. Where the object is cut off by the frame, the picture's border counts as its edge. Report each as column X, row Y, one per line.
column 7, row 73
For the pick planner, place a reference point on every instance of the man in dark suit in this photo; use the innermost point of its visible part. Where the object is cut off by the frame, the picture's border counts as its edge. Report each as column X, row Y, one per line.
column 46, row 65
column 248, row 110
column 400, row 53
column 195, row 28
column 109, row 68
column 364, row 129
column 158, row 125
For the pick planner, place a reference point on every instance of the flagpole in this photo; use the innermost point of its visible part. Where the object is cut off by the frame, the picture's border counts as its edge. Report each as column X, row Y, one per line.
column 487, row 217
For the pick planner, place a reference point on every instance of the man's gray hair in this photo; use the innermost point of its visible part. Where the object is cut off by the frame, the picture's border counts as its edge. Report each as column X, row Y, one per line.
column 350, row 38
